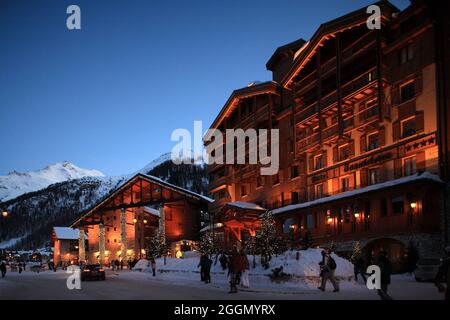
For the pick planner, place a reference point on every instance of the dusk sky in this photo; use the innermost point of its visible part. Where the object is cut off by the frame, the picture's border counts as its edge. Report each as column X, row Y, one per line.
column 108, row 97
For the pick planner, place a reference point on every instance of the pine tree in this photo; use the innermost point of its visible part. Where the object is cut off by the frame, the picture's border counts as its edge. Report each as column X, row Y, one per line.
column 156, row 246
column 207, row 244
column 267, row 241
column 356, row 254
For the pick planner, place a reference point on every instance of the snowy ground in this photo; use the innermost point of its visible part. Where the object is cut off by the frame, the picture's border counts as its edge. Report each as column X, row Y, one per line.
column 186, row 285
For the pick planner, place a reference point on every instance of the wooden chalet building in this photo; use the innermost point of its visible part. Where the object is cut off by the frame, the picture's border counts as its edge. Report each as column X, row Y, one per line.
column 66, row 245
column 119, row 225
column 358, row 113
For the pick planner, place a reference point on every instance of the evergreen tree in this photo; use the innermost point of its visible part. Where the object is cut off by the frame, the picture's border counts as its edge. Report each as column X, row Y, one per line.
column 207, row 244
column 268, row 242
column 356, row 254
column 156, row 246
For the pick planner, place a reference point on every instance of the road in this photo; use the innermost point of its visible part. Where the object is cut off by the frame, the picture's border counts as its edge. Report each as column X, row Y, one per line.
column 142, row 286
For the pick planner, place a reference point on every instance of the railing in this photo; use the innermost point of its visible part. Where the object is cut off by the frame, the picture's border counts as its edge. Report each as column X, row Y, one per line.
column 310, row 140
column 308, row 112
column 330, row 131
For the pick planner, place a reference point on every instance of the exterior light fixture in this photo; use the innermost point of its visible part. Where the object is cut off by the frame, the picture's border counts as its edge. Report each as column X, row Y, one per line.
column 145, row 221
column 330, row 220
column 134, row 220
column 4, row 213
column 357, row 215
column 292, row 227
column 413, row 205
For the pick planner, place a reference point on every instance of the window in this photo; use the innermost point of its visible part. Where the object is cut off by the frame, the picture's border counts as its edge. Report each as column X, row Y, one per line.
column 294, row 171
column 115, row 240
column 294, row 197
column 383, row 208
column 373, row 141
column 344, row 152
column 409, row 166
column 409, row 127
column 397, row 205
column 407, row 91
column 406, row 53
column 374, row 176
column 310, row 221
column 345, row 184
column 243, row 190
column 319, row 191
column 318, row 162
column 115, row 229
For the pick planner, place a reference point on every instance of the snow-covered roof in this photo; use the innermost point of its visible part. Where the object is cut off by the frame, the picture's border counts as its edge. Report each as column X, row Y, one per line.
column 64, row 233
column 417, row 177
column 246, row 205
column 152, row 211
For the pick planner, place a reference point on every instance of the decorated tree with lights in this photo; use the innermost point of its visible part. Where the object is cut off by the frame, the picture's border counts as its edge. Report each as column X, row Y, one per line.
column 356, row 254
column 252, row 249
column 156, row 245
column 268, row 242
column 207, row 244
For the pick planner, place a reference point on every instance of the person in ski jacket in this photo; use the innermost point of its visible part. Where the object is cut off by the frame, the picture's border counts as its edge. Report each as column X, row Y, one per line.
column 153, row 264
column 386, row 269
column 3, row 269
column 444, row 274
column 327, row 270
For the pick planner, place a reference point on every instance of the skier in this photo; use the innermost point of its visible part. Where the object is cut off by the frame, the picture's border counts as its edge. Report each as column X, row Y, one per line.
column 153, row 264
column 3, row 268
column 386, row 270
column 327, row 269
column 444, row 272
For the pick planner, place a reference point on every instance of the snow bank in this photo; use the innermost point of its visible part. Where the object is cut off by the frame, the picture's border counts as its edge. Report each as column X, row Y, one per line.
column 307, row 266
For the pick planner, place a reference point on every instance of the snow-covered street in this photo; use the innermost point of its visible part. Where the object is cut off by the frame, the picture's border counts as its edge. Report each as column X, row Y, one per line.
column 187, row 286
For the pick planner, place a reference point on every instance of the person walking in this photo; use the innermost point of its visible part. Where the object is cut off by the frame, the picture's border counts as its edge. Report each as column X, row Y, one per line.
column 327, row 270
column 3, row 269
column 153, row 264
column 245, row 271
column 223, row 261
column 202, row 264
column 207, row 270
column 233, row 270
column 358, row 268
column 386, row 270
column 444, row 274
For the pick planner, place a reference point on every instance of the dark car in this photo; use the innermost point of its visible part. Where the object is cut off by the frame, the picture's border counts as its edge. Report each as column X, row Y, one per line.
column 427, row 269
column 93, row 271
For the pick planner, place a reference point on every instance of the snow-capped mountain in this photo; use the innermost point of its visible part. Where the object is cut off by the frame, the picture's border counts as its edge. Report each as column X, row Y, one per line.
column 17, row 183
column 33, row 214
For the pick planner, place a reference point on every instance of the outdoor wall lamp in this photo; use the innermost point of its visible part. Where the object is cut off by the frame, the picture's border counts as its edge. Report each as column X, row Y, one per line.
column 330, row 220
column 5, row 213
column 413, row 205
column 357, row 215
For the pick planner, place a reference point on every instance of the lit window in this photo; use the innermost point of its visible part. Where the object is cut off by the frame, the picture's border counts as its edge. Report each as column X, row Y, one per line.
column 294, row 171
column 409, row 166
column 409, row 127
column 407, row 91
column 344, row 152
column 374, row 176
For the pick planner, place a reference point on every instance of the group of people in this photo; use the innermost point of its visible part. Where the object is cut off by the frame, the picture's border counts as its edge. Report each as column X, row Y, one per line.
column 119, row 265
column 237, row 264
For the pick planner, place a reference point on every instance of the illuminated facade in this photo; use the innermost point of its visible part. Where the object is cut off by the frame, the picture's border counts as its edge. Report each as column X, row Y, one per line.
column 357, row 111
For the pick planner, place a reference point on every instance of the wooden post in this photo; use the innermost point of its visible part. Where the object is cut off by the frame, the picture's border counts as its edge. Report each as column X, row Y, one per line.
column 123, row 234
column 101, row 243
column 81, row 247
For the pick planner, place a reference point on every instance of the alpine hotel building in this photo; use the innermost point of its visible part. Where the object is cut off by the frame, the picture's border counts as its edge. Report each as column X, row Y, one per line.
column 362, row 137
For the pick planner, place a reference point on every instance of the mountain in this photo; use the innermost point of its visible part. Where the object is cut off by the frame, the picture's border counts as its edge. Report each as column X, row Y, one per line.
column 17, row 183
column 33, row 214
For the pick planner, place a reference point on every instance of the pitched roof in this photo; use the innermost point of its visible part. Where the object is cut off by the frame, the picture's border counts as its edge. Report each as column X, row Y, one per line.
column 65, row 233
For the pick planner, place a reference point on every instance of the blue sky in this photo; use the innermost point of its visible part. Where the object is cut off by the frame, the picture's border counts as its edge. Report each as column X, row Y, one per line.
column 109, row 96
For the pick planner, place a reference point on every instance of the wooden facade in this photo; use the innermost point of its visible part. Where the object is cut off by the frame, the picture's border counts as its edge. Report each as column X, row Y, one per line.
column 355, row 108
column 119, row 225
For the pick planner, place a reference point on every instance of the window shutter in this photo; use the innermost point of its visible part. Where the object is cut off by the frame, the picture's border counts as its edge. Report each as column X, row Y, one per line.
column 395, row 94
column 335, row 154
column 363, row 177
column 420, row 161
column 363, row 143
column 396, row 130
column 418, row 83
column 351, row 146
column 420, row 121
column 382, row 137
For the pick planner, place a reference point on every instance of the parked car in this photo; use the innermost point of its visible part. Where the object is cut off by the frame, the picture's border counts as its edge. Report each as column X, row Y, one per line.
column 93, row 271
column 427, row 269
